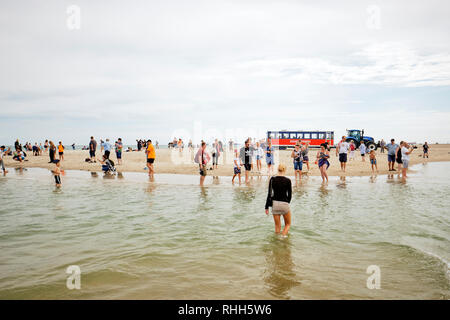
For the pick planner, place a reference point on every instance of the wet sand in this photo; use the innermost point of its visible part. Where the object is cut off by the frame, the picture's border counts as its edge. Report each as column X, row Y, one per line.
column 175, row 162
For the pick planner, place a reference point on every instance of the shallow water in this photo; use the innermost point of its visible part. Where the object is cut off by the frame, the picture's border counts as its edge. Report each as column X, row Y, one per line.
column 172, row 239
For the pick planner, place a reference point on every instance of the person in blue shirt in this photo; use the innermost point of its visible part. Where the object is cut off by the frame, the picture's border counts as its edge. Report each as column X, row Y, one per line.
column 269, row 157
column 107, row 147
column 362, row 149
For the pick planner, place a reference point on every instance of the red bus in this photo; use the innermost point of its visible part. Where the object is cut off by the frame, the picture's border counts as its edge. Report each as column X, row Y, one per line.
column 287, row 139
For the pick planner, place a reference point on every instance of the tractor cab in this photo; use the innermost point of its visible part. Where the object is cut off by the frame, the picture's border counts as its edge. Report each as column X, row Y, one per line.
column 354, row 134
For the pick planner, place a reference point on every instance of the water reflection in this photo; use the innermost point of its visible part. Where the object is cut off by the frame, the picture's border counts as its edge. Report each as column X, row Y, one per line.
column 279, row 275
column 342, row 183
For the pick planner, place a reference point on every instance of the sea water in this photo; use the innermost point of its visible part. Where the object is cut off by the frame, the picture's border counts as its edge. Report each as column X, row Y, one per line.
column 170, row 238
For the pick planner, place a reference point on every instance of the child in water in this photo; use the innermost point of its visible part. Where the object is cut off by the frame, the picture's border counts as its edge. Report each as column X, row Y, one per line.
column 57, row 174
column 373, row 160
column 237, row 166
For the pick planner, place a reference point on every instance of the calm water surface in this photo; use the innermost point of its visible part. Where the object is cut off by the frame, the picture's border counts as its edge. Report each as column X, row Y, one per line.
column 172, row 239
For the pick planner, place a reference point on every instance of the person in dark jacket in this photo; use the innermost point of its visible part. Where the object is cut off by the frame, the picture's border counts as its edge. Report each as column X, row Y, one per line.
column 279, row 197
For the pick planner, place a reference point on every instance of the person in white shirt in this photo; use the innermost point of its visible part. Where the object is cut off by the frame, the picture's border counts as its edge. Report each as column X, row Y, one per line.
column 237, row 167
column 259, row 156
column 406, row 151
column 342, row 148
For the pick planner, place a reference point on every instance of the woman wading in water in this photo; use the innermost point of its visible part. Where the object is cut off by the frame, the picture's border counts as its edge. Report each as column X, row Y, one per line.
column 279, row 197
column 322, row 160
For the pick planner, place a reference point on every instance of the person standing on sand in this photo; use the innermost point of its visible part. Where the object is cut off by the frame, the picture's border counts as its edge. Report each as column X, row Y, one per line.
column 392, row 152
column 322, row 160
column 342, row 149
column 119, row 149
column 362, row 150
column 61, row 151
column 298, row 161
column 151, row 155
column 107, row 147
column 46, row 146
column 259, row 156
column 352, row 150
column 278, row 197
column 382, row 145
column 2, row 153
column 215, row 154
column 373, row 160
column 92, row 148
column 425, row 150
column 406, row 151
column 52, row 152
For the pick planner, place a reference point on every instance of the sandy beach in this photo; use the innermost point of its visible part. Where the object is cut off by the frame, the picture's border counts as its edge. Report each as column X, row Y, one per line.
column 176, row 162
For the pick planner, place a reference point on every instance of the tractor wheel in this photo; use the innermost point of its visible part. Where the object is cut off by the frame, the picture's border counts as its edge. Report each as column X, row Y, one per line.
column 371, row 146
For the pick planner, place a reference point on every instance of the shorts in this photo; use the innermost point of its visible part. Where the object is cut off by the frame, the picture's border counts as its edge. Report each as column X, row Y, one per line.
column 280, row 207
column 305, row 159
column 57, row 179
column 391, row 158
column 92, row 153
column 298, row 165
column 405, row 164
column 373, row 161
column 342, row 157
column 248, row 166
column 61, row 153
column 258, row 157
column 363, row 154
column 399, row 160
column 119, row 155
column 150, row 160
column 270, row 161
column 203, row 170
column 237, row 170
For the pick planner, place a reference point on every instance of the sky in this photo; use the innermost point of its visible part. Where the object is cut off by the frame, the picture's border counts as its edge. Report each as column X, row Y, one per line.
column 226, row 69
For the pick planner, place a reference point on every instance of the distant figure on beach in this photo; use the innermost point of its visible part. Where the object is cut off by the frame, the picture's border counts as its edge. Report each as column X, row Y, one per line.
column 269, row 157
column 57, row 173
column 363, row 150
column 157, row 144
column 73, row 146
column 245, row 155
column 373, row 160
column 107, row 165
column 92, row 148
column 298, row 161
column 382, row 145
column 305, row 150
column 151, row 155
column 278, row 197
column 322, row 160
column 230, row 144
column 52, row 152
column 61, row 151
column 107, row 147
column 342, row 150
column 2, row 164
column 406, row 151
column 392, row 153
column 46, row 145
column 202, row 158
column 139, row 144
column 215, row 154
column 237, row 167
column 425, row 150
column 119, row 149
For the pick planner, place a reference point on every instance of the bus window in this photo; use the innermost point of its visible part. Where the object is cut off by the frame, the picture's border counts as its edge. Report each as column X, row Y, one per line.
column 271, row 135
column 321, row 135
column 313, row 135
column 328, row 135
column 307, row 136
column 285, row 135
column 299, row 135
column 293, row 135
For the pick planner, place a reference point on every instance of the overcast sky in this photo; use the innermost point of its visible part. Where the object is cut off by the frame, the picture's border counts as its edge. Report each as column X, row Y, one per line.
column 199, row 69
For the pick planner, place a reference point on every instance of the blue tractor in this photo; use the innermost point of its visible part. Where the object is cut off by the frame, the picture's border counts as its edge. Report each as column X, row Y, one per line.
column 357, row 136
